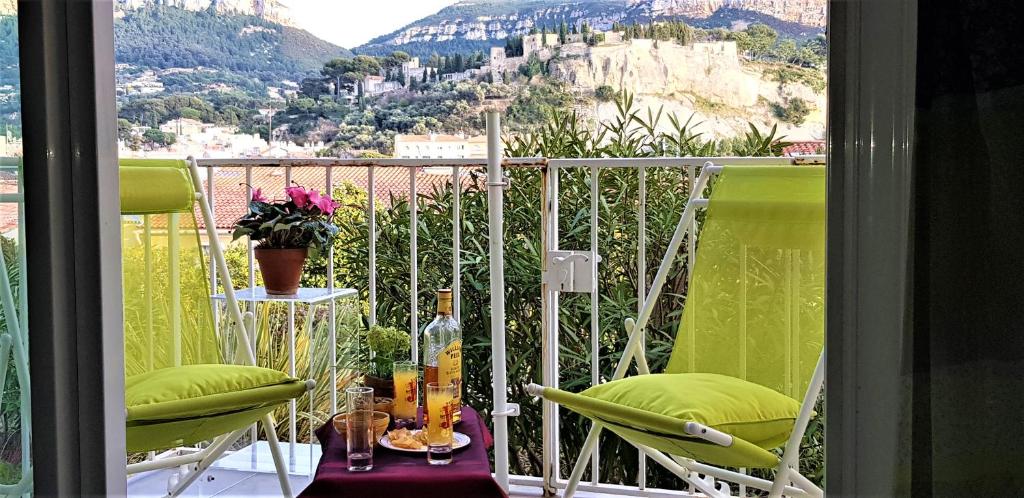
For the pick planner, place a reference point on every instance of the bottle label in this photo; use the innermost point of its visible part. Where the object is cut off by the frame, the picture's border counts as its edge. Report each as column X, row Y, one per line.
column 449, row 369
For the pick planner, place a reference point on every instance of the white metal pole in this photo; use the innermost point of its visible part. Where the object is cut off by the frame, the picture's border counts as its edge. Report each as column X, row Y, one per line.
column 456, row 242
column 495, row 229
column 549, row 349
column 414, row 291
column 174, row 277
column 332, row 335
column 291, row 371
column 641, row 289
column 595, row 317
column 371, row 218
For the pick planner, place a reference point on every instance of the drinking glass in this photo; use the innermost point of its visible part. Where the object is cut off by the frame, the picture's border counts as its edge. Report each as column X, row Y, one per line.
column 359, row 428
column 407, row 397
column 439, row 423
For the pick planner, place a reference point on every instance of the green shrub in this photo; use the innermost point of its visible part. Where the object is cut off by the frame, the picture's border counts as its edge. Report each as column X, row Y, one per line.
column 604, row 93
column 793, row 110
column 785, row 74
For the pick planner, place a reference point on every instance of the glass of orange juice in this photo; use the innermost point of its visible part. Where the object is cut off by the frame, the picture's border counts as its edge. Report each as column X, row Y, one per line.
column 440, row 422
column 407, row 397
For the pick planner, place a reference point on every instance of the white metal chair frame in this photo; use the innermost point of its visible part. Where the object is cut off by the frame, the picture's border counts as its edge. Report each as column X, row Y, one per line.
column 15, row 338
column 198, row 462
column 788, row 479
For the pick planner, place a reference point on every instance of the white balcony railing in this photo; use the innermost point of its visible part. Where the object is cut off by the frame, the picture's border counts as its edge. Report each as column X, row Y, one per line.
column 414, row 174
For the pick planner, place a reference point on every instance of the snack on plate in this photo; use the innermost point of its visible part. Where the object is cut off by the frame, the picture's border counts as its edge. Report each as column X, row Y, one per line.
column 410, row 440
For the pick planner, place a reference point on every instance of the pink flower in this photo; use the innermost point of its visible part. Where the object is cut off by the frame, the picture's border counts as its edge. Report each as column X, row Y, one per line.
column 257, row 196
column 326, row 205
column 313, row 197
column 323, row 202
column 298, row 195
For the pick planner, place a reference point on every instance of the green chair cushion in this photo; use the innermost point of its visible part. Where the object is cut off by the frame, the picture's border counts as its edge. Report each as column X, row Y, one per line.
column 151, row 186
column 193, row 391
column 734, row 406
column 149, row 435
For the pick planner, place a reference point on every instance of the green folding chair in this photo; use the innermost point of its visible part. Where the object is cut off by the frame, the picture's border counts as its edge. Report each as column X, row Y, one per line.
column 750, row 343
column 178, row 389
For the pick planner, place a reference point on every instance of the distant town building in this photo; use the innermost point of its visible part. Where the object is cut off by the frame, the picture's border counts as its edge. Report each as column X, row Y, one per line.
column 535, row 43
column 412, row 70
column 185, row 127
column 440, row 146
column 207, row 140
column 464, row 75
column 376, row 85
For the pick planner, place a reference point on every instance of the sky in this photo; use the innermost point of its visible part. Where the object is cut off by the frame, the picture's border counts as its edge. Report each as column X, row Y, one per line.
column 351, row 23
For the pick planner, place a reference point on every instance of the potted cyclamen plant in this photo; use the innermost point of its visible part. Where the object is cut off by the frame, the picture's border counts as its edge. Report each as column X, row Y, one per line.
column 287, row 231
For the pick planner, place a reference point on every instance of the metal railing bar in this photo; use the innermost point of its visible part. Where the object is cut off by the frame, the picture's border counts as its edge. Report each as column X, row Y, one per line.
column 677, row 162
column 691, row 258
column 366, row 163
column 332, row 325
column 413, row 267
column 595, row 344
column 641, row 290
column 250, row 258
column 210, row 171
column 291, row 371
column 250, row 263
column 456, row 242
column 525, row 162
column 372, row 234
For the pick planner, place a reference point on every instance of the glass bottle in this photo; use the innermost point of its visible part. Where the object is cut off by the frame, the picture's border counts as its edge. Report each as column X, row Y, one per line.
column 442, row 354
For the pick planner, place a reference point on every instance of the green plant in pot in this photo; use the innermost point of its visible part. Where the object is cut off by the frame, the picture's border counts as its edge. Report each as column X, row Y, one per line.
column 386, row 345
column 287, row 232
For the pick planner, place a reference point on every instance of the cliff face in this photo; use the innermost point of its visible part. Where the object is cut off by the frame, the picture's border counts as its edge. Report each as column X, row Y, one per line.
column 271, row 10
column 711, row 70
column 478, row 24
column 704, row 79
column 806, row 12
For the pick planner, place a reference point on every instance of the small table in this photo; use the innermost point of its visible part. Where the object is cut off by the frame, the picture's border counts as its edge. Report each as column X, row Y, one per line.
column 301, row 456
column 400, row 475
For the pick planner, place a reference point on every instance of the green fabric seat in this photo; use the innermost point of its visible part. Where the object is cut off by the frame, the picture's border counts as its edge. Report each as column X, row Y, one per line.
column 752, row 328
column 200, row 390
column 178, row 388
column 656, row 408
column 185, row 405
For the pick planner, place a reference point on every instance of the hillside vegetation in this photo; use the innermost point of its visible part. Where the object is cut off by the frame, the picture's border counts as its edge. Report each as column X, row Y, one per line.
column 166, row 37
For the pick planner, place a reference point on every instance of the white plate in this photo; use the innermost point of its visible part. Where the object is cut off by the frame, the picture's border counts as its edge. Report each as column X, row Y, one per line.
column 460, row 440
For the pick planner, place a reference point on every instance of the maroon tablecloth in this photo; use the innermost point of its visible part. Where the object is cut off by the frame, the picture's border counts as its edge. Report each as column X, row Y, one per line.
column 399, row 475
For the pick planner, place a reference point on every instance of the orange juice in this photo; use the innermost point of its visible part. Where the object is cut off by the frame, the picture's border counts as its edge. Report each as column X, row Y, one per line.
column 406, row 394
column 439, row 406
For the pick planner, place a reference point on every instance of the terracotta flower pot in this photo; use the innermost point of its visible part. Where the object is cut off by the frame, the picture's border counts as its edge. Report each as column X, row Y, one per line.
column 281, row 269
column 384, row 388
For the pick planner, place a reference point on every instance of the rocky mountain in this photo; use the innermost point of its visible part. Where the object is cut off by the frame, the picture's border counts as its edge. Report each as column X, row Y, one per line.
column 706, row 80
column 803, row 12
column 270, row 10
column 233, row 37
column 478, row 24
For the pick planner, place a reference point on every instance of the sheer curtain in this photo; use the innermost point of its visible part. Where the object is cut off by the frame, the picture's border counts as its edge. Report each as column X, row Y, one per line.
column 966, row 428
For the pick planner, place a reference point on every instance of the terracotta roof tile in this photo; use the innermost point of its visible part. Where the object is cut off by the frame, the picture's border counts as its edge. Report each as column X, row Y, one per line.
column 807, row 148
column 229, row 198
